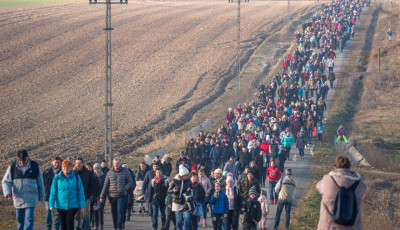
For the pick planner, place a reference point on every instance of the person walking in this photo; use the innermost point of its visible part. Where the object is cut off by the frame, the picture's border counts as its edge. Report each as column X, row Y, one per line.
column 285, row 188
column 98, row 208
column 300, row 144
column 48, row 176
column 287, row 142
column 390, row 33
column 23, row 182
column 205, row 182
column 90, row 183
column 274, row 175
column 199, row 195
column 146, row 188
column 158, row 192
column 235, row 201
column 252, row 209
column 179, row 186
column 328, row 187
column 262, row 224
column 116, row 185
column 341, row 132
column 220, row 207
column 67, row 195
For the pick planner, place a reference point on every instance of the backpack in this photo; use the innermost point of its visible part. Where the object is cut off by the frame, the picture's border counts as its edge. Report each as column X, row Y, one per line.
column 77, row 186
column 345, row 207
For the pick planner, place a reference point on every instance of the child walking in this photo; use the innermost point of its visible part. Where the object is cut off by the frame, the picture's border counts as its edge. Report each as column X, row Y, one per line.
column 252, row 212
column 262, row 225
column 320, row 130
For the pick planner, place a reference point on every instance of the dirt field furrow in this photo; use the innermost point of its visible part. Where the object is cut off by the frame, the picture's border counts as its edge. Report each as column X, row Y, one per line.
column 169, row 60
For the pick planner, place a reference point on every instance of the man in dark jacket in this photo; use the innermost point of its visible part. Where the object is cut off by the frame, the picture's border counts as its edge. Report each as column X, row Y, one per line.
column 247, row 183
column 104, row 167
column 90, row 183
column 182, row 160
column 143, row 169
column 130, row 200
column 117, row 184
column 244, row 158
column 48, row 176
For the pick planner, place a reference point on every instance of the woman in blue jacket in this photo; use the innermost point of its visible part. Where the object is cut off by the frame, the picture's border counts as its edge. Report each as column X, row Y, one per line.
column 220, row 207
column 66, row 195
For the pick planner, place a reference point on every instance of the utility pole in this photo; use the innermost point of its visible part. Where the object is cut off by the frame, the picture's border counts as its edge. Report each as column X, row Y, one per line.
column 288, row 19
column 108, row 84
column 238, row 48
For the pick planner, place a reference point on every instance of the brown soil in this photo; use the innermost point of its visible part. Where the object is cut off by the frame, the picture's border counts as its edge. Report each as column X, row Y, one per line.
column 169, row 60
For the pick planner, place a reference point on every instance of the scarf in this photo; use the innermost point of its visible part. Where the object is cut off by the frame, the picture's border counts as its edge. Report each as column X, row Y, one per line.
column 157, row 179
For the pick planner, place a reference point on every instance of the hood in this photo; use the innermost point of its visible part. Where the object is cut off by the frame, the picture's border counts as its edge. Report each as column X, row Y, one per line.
column 345, row 174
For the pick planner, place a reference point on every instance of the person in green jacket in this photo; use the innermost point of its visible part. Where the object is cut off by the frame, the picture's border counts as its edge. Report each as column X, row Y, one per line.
column 287, row 142
column 67, row 195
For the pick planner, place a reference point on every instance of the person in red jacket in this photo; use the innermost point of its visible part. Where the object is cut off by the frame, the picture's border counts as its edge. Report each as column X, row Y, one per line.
column 273, row 175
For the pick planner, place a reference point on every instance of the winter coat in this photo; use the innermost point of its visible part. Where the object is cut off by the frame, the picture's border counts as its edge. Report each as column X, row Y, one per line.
column 300, row 142
column 180, row 162
column 167, row 169
column 141, row 174
column 328, row 189
column 220, row 205
column 230, row 168
column 264, row 212
column 178, row 195
column 198, row 192
column 310, row 124
column 244, row 158
column 147, row 184
column 252, row 211
column 194, row 156
column 273, row 173
column 341, row 132
column 48, row 176
column 254, row 152
column 237, row 200
column 287, row 141
column 245, row 186
column 158, row 192
column 117, row 184
column 25, row 183
column 274, row 149
column 321, row 129
column 216, row 154
column 205, row 182
column 101, row 177
column 64, row 193
column 89, row 181
column 286, row 189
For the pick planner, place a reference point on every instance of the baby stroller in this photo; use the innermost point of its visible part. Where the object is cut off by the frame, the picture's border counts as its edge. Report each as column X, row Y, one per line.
column 140, row 198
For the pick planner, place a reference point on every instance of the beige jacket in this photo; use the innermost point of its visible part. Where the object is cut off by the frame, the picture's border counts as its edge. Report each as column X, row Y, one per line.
column 328, row 189
column 286, row 193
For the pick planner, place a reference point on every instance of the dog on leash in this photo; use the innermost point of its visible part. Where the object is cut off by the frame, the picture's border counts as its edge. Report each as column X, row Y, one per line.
column 311, row 148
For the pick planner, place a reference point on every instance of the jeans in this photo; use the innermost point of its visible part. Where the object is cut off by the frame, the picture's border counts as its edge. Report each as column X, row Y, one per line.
column 279, row 209
column 83, row 221
column 232, row 221
column 170, row 218
column 301, row 152
column 49, row 221
column 118, row 210
column 25, row 218
column 309, row 134
column 204, row 205
column 272, row 190
column 217, row 220
column 186, row 219
column 251, row 226
column 67, row 218
column 155, row 215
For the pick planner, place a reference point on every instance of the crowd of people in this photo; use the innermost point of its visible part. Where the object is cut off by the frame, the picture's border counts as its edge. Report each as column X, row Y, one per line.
column 220, row 173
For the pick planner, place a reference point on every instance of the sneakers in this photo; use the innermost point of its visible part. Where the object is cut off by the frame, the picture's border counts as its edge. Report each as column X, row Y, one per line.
column 204, row 223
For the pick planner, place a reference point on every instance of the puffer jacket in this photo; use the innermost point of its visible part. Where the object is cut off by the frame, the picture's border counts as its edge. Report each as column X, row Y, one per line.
column 64, row 194
column 328, row 189
column 286, row 189
column 205, row 182
column 117, row 183
column 25, row 184
column 245, row 186
column 220, row 205
column 287, row 141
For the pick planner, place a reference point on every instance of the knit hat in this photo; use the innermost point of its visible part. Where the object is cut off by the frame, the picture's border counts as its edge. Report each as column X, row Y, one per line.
column 253, row 190
column 97, row 165
column 225, row 173
column 218, row 184
column 183, row 171
column 288, row 172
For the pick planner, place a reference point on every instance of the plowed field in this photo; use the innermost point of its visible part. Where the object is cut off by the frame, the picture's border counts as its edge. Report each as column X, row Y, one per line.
column 169, row 60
